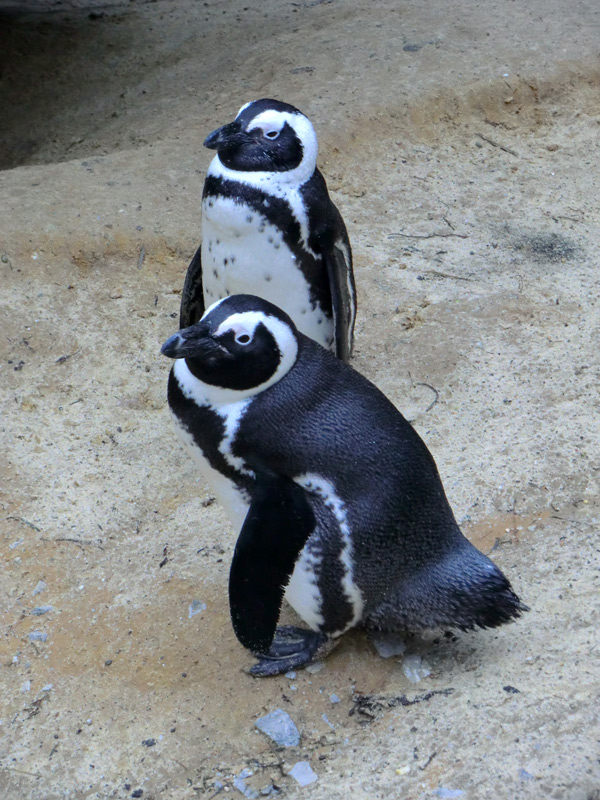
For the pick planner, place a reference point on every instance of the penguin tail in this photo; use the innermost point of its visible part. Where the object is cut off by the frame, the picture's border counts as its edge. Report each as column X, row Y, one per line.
column 465, row 590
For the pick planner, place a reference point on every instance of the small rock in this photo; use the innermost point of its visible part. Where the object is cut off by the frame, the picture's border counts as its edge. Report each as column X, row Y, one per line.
column 239, row 783
column 389, row 644
column 511, row 690
column 290, row 675
column 137, row 793
column 526, row 776
column 149, row 742
column 447, row 794
column 303, row 774
column 47, row 687
column 334, row 698
column 195, row 608
column 26, row 687
column 415, row 668
column 325, row 719
column 37, row 636
column 312, row 669
column 39, row 610
column 279, row 727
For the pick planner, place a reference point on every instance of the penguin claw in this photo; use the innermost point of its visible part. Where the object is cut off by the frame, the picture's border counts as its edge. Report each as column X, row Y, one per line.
column 291, row 648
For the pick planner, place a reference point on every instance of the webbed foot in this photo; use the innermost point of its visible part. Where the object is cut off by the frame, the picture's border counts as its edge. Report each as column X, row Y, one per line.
column 292, row 648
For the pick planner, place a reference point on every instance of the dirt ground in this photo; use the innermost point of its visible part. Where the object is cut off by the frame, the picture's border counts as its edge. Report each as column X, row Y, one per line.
column 460, row 141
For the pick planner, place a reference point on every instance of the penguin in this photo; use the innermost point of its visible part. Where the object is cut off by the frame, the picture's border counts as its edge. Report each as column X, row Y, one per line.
column 338, row 503
column 269, row 227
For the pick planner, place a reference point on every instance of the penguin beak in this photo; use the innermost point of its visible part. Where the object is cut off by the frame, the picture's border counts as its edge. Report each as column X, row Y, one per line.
column 192, row 342
column 225, row 137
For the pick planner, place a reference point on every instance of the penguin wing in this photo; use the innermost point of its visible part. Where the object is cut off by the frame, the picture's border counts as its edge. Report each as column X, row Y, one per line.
column 338, row 261
column 277, row 526
column 329, row 237
column 192, row 295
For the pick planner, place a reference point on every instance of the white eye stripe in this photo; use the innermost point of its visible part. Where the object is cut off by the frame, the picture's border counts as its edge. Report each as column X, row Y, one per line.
column 239, row 327
column 270, row 120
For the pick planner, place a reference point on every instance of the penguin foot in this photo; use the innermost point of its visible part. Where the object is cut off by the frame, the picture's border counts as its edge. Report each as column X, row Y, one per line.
column 292, row 648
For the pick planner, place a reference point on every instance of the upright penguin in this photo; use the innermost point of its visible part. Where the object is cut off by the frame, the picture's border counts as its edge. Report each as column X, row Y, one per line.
column 269, row 227
column 338, row 502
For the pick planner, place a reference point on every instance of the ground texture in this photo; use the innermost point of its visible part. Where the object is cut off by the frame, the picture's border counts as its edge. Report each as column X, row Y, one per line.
column 460, row 141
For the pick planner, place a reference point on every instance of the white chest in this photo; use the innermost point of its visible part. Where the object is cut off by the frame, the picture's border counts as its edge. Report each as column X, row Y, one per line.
column 233, row 499
column 242, row 253
column 227, row 493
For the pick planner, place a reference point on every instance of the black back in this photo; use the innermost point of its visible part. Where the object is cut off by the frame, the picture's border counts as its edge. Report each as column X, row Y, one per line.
column 325, row 418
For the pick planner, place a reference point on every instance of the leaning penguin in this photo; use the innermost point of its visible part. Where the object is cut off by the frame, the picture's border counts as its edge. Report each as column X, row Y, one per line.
column 338, row 502
column 270, row 228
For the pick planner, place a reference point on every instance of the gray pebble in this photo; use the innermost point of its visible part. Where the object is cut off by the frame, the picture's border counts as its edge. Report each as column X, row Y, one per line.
column 279, row 727
column 334, row 698
column 240, row 784
column 41, row 585
column 415, row 668
column 195, row 608
column 302, row 773
column 325, row 718
column 526, row 776
column 37, row 636
column 448, row 794
column 39, row 610
column 388, row 644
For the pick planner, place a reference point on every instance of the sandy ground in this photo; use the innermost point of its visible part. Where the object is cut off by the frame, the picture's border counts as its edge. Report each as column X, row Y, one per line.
column 460, row 141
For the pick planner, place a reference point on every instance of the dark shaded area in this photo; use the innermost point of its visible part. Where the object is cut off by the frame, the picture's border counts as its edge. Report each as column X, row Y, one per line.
column 49, row 66
column 551, row 247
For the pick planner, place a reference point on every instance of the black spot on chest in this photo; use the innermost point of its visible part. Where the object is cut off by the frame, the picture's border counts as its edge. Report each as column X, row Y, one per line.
column 278, row 212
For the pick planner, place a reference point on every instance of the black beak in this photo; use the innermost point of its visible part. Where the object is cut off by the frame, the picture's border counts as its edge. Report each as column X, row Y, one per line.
column 224, row 137
column 192, row 342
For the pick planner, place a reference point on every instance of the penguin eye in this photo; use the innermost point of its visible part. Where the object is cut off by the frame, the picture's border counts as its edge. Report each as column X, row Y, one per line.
column 243, row 338
column 271, row 134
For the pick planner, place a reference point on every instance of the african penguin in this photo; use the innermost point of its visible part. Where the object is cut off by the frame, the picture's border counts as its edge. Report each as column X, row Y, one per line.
column 338, row 502
column 269, row 227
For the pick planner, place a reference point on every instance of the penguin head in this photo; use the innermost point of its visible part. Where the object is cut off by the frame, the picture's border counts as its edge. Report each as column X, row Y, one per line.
column 267, row 136
column 242, row 343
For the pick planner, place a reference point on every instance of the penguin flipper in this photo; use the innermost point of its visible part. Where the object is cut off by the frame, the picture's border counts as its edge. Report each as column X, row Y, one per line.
column 192, row 295
column 343, row 297
column 277, row 526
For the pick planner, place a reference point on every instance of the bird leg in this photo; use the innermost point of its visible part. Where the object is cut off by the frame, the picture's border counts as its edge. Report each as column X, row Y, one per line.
column 292, row 648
